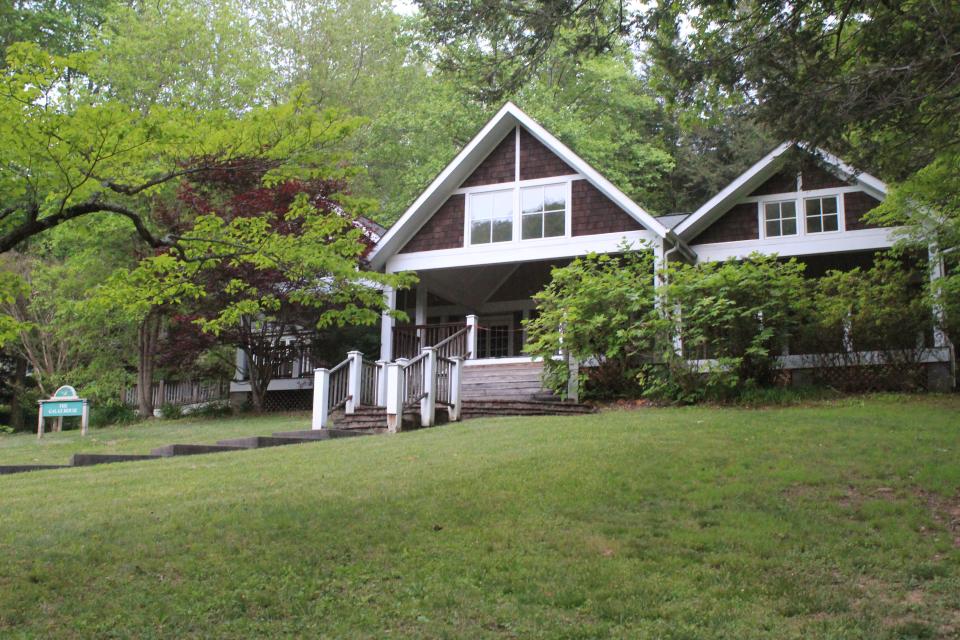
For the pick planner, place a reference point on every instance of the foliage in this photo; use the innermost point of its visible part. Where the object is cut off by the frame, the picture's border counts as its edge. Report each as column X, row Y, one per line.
column 830, row 520
column 171, row 411
column 596, row 309
column 212, row 410
column 111, row 412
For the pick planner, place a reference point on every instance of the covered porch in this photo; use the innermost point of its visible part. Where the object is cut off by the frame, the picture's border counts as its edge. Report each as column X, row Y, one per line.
column 496, row 298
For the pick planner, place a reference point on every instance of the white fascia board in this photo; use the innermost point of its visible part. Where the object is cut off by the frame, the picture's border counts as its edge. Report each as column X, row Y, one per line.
column 502, row 120
column 872, row 185
column 518, row 251
column 740, row 187
column 860, row 240
column 449, row 179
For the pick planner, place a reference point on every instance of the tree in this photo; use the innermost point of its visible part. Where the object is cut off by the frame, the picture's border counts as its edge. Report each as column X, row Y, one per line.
column 258, row 263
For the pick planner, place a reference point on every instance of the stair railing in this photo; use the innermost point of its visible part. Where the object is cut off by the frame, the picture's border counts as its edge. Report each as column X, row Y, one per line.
column 331, row 390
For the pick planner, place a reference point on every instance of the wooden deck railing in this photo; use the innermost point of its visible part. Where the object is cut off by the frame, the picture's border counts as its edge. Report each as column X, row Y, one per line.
column 182, row 393
column 408, row 340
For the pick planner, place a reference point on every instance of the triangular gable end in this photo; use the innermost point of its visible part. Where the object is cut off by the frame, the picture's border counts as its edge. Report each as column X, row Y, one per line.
column 489, row 148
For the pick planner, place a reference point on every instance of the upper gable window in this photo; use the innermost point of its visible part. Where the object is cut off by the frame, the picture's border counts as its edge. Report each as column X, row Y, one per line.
column 823, row 214
column 780, row 218
column 491, row 217
column 543, row 211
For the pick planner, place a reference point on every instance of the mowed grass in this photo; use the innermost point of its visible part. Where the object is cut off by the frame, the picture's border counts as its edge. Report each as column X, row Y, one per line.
column 824, row 521
column 56, row 448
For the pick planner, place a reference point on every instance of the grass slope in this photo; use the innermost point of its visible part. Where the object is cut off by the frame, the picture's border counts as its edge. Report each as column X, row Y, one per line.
column 829, row 520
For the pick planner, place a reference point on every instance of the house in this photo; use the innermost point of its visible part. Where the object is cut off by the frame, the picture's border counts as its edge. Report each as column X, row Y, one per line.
column 516, row 201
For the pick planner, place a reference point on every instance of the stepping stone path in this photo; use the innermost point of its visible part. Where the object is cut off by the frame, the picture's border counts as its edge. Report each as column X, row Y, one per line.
column 172, row 450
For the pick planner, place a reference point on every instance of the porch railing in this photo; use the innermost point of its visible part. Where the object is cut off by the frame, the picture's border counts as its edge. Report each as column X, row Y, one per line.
column 408, row 340
column 339, row 389
column 370, row 383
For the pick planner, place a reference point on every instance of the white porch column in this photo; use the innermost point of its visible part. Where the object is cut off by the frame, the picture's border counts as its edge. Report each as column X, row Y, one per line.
column 395, row 394
column 937, row 271
column 241, row 372
column 456, row 397
column 472, row 337
column 386, row 324
column 321, row 399
column 428, row 403
column 381, row 383
column 354, row 373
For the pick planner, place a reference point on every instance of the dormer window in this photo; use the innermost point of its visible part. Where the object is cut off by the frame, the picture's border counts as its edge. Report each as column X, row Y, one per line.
column 491, row 217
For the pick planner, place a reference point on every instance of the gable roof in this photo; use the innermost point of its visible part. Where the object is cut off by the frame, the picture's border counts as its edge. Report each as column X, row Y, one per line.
column 509, row 117
column 759, row 173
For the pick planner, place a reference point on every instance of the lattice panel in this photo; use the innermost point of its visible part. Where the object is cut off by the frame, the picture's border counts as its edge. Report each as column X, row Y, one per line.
column 294, row 400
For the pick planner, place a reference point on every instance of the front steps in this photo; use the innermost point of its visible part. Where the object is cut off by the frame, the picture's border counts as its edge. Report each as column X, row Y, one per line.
column 506, row 381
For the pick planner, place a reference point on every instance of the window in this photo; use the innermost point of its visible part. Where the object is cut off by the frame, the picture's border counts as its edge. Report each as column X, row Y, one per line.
column 822, row 214
column 491, row 217
column 543, row 211
column 780, row 218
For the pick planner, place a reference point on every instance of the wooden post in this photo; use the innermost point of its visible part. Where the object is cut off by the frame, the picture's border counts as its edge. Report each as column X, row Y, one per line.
column 386, row 324
column 472, row 337
column 354, row 373
column 84, row 419
column 428, row 403
column 456, row 376
column 381, row 383
column 40, row 421
column 395, row 394
column 58, row 424
column 321, row 399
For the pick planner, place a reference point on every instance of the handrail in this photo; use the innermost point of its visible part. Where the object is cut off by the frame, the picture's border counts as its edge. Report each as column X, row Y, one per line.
column 339, row 385
column 414, row 386
column 451, row 343
column 410, row 339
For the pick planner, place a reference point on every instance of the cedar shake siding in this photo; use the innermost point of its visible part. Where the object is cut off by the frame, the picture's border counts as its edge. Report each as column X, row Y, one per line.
column 593, row 213
column 443, row 231
column 740, row 223
column 855, row 205
column 536, row 161
column 812, row 176
column 499, row 166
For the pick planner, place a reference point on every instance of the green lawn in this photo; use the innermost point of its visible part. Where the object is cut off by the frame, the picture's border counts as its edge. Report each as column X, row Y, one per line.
column 826, row 521
column 56, row 448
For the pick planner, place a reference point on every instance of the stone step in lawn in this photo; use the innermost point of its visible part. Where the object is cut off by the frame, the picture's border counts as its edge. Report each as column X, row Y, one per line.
column 193, row 449
column 90, row 459
column 259, row 442
column 23, row 468
column 321, row 434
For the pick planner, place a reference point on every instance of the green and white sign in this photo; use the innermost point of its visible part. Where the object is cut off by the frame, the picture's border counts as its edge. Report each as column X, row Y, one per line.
column 65, row 403
column 62, row 409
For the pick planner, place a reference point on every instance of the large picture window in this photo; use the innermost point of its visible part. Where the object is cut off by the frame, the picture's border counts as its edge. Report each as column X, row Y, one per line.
column 823, row 214
column 491, row 217
column 543, row 211
column 780, row 218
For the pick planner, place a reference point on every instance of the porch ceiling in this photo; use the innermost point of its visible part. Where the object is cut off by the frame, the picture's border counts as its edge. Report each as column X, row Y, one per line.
column 473, row 286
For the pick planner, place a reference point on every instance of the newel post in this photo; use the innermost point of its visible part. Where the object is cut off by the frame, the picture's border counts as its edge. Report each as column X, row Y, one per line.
column 472, row 337
column 355, row 371
column 428, row 403
column 381, row 383
column 456, row 376
column 394, row 396
column 321, row 399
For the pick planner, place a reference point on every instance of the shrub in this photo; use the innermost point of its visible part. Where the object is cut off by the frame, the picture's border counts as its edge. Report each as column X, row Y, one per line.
column 171, row 412
column 212, row 410
column 111, row 412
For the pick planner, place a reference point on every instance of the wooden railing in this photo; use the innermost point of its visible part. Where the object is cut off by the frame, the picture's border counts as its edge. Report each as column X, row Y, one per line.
column 445, row 373
column 369, row 383
column 413, row 380
column 339, row 390
column 182, row 393
column 454, row 345
column 408, row 340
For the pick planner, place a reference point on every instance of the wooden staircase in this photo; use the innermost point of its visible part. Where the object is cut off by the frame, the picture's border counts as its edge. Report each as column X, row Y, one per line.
column 507, row 381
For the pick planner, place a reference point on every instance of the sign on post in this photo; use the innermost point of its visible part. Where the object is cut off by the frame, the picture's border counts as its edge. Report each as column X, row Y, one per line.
column 64, row 403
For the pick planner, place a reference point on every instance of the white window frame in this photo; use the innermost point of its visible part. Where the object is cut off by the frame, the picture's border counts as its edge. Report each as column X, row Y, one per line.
column 800, row 198
column 516, row 187
column 780, row 202
column 468, row 219
column 840, row 214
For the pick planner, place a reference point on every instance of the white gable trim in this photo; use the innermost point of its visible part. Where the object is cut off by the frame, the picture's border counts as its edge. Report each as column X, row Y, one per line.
column 509, row 117
column 756, row 175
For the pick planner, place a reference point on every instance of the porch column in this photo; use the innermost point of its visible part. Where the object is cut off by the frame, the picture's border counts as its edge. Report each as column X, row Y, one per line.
column 428, row 404
column 321, row 399
column 456, row 388
column 386, row 324
column 937, row 271
column 241, row 372
column 472, row 338
column 354, row 374
column 395, row 395
column 420, row 316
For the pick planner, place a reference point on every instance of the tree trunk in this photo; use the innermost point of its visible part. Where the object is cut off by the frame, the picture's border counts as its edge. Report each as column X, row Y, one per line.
column 260, row 376
column 148, row 334
column 19, row 387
